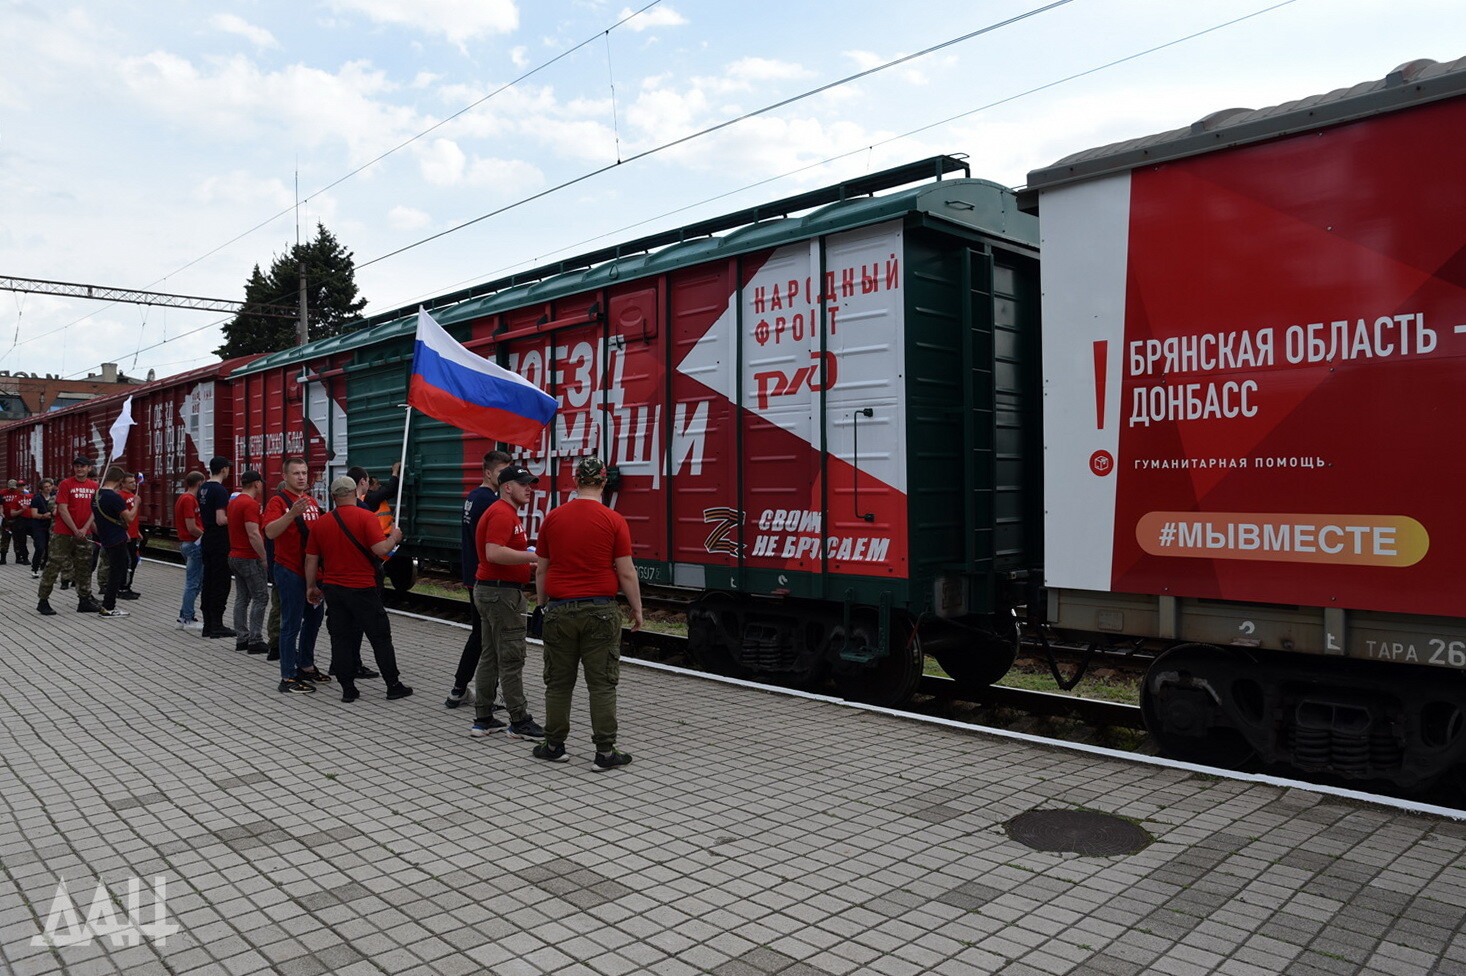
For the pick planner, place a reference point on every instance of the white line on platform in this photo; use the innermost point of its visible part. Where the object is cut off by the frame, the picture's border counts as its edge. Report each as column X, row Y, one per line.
column 1409, row 806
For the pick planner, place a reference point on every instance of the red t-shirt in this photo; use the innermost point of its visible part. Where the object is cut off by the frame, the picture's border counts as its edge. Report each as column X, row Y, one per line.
column 11, row 503
column 187, row 507
column 501, row 526
column 289, row 546
column 135, row 527
column 582, row 539
column 242, row 510
column 76, row 497
column 342, row 564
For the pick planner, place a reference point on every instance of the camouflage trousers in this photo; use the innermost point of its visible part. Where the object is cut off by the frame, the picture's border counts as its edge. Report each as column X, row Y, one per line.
column 71, row 556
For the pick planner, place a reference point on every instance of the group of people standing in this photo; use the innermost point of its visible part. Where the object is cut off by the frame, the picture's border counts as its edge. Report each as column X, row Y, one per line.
column 89, row 525
column 328, row 565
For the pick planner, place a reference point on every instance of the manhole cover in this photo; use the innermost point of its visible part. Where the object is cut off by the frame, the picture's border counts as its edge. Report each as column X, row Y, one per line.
column 1079, row 831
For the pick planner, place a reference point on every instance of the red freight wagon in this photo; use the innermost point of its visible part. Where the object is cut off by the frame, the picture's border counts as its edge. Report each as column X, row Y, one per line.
column 294, row 410
column 1254, row 338
column 178, row 424
column 821, row 425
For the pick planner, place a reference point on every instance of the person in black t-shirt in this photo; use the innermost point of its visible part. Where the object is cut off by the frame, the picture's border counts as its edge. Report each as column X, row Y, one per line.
column 213, row 518
column 112, row 516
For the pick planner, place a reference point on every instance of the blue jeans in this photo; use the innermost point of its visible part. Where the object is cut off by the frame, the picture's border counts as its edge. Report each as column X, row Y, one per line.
column 193, row 578
column 299, row 623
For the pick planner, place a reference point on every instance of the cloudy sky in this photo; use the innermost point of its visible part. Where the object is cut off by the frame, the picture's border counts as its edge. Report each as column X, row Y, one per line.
column 157, row 145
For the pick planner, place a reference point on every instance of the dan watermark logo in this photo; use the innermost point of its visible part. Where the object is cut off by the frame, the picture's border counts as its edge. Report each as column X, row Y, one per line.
column 65, row 927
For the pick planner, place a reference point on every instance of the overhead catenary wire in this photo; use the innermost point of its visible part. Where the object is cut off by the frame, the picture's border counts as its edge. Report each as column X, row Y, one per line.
column 631, row 15
column 709, row 130
column 827, row 160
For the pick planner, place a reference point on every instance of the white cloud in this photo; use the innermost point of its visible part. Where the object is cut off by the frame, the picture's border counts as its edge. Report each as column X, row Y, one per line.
column 242, row 187
column 235, row 98
column 519, row 56
column 457, row 20
column 424, row 79
column 441, row 161
column 659, row 16
column 742, row 74
column 231, row 24
column 406, row 218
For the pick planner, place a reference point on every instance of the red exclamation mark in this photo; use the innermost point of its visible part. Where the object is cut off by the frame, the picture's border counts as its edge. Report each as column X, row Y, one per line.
column 1101, row 357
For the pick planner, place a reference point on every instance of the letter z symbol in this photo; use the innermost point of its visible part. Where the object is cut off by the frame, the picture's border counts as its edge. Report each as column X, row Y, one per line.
column 724, row 520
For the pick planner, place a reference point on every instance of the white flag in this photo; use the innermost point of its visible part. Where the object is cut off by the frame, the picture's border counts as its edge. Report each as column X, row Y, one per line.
column 119, row 428
column 38, row 449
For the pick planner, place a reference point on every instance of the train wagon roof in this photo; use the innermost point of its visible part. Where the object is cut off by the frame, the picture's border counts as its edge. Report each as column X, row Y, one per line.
column 1412, row 83
column 220, row 370
column 979, row 205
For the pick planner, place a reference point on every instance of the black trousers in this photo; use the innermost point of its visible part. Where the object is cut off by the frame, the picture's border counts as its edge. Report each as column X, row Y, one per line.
column 116, row 573
column 468, row 661
column 40, row 542
column 217, row 579
column 353, row 613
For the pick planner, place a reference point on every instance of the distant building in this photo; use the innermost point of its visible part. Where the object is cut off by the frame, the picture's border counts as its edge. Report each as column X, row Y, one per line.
column 25, row 395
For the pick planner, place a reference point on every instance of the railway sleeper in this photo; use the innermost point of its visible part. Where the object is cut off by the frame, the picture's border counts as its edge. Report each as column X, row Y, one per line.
column 1355, row 720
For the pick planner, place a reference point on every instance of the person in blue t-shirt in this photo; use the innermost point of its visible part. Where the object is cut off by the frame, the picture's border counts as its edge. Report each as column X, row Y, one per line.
column 475, row 504
column 213, row 519
column 112, row 515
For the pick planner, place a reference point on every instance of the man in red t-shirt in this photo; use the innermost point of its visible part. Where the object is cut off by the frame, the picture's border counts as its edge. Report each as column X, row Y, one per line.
column 342, row 556
column 13, row 503
column 505, row 566
column 186, row 524
column 289, row 517
column 71, row 550
column 247, row 563
column 584, row 558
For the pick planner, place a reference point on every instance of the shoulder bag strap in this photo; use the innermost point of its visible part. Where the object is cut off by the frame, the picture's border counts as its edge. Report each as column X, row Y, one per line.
column 371, row 556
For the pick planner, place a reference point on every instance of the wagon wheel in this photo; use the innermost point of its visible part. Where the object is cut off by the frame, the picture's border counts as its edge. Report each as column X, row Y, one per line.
column 982, row 656
column 1184, row 702
column 888, row 681
column 711, row 630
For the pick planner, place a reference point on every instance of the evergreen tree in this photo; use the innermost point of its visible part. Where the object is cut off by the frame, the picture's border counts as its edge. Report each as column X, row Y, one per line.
column 332, row 301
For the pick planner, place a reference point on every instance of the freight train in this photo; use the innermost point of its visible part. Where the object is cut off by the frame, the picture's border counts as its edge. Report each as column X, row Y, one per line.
column 865, row 424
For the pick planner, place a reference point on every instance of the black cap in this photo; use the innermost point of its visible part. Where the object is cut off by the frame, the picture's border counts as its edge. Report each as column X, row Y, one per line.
column 81, row 460
column 514, row 472
column 250, row 477
column 217, row 464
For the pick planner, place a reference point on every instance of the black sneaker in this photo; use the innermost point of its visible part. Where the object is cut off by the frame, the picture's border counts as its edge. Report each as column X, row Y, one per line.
column 88, row 606
column 551, row 753
column 241, row 646
column 296, row 688
column 349, row 693
column 44, row 609
column 486, row 726
column 274, row 654
column 221, row 632
column 610, row 760
column 127, row 595
column 314, row 674
column 257, row 647
column 457, row 697
column 399, row 690
column 366, row 673
column 525, row 729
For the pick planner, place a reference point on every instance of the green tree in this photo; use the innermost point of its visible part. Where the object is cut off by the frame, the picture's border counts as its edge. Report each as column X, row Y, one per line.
column 332, row 300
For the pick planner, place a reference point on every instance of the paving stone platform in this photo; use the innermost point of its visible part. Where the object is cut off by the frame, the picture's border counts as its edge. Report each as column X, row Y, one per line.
column 755, row 834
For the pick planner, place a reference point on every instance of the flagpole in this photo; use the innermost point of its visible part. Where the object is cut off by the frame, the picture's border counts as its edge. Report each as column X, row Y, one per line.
column 402, row 471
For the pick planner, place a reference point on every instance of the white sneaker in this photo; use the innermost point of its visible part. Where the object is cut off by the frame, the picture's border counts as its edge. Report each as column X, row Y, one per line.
column 194, row 625
column 119, row 612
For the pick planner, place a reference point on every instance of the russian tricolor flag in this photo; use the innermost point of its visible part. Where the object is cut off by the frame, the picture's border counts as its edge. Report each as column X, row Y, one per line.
column 457, row 387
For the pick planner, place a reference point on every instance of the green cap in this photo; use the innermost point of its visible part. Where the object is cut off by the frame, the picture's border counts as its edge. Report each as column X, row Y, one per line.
column 590, row 471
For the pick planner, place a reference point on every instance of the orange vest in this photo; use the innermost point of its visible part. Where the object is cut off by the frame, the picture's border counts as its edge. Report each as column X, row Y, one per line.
column 384, row 515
